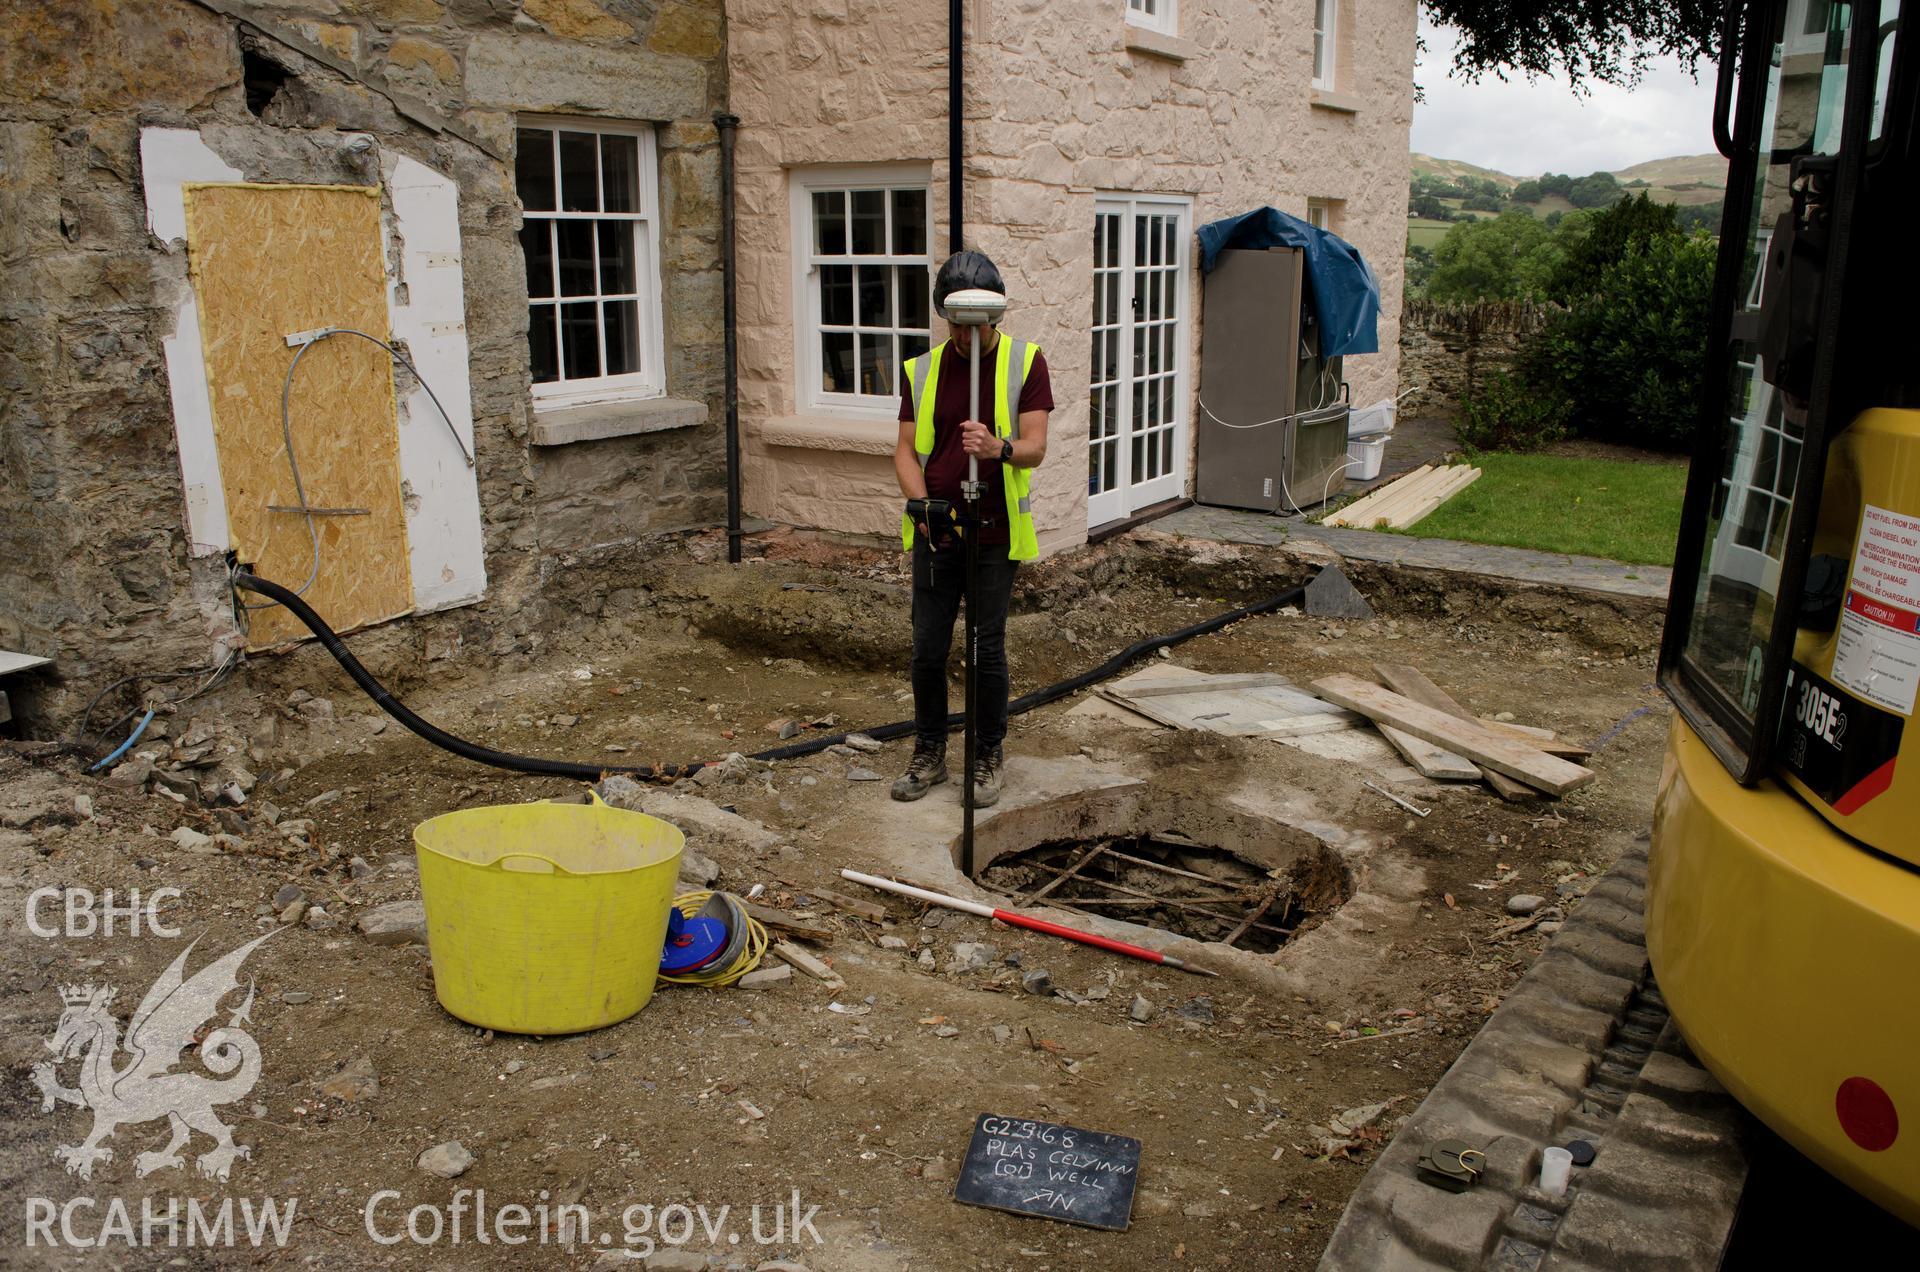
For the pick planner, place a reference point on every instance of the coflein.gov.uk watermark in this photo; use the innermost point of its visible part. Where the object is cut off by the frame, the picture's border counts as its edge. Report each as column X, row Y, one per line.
column 468, row 1217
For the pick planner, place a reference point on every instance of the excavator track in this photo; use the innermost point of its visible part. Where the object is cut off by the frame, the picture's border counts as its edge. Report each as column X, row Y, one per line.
column 1582, row 1049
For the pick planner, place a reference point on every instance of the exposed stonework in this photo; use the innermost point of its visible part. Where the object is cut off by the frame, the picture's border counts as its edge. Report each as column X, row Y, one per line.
column 1059, row 109
column 409, row 51
column 97, row 570
column 576, row 19
column 1448, row 350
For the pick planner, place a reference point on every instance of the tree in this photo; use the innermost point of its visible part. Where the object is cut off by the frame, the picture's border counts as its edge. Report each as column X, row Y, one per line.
column 1595, row 191
column 1611, row 41
column 1419, row 269
column 1627, row 358
column 1605, row 238
column 1428, row 207
column 1486, row 260
column 1528, row 192
column 1701, row 216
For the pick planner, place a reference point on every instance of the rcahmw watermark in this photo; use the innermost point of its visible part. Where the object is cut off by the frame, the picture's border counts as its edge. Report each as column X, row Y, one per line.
column 84, row 1223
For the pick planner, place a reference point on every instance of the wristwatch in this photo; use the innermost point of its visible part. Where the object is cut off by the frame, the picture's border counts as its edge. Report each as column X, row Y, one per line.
column 1006, row 451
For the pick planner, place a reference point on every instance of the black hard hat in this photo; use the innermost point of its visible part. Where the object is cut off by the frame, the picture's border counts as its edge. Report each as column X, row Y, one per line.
column 963, row 271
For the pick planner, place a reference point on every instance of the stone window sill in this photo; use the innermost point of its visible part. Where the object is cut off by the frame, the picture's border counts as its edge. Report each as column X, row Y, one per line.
column 829, row 432
column 1343, row 103
column 562, row 426
column 1159, row 44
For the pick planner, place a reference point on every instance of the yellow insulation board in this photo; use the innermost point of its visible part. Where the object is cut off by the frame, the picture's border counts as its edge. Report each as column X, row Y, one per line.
column 267, row 261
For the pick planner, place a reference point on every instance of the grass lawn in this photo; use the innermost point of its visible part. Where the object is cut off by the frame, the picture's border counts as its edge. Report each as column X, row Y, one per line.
column 1425, row 233
column 1609, row 508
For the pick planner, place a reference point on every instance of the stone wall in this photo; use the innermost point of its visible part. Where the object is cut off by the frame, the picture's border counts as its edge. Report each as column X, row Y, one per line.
column 97, row 570
column 1064, row 102
column 1447, row 350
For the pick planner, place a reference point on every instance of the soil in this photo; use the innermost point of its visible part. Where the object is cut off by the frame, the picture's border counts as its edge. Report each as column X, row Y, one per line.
column 743, row 1096
column 1584, row 448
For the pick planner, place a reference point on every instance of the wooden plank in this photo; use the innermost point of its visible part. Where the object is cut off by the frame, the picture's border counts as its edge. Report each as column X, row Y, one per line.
column 853, row 905
column 1362, row 505
column 1544, row 739
column 1427, row 505
column 1085, row 860
column 267, row 260
column 1366, row 515
column 1518, row 730
column 1403, row 678
column 1428, row 760
column 1373, row 496
column 791, row 924
column 11, row 662
column 867, row 910
column 1391, row 514
column 1435, row 499
column 1515, row 759
column 794, row 956
column 1391, row 509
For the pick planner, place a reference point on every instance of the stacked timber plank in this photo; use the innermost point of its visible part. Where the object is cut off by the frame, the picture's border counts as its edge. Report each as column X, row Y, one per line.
column 1441, row 740
column 1402, row 502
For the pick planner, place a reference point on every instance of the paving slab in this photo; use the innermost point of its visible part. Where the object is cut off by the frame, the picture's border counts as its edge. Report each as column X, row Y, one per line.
column 1525, row 565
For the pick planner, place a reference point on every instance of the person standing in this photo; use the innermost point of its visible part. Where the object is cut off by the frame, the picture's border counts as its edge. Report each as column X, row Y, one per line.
column 930, row 460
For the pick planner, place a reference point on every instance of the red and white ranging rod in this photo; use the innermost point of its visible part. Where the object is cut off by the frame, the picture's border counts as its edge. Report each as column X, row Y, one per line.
column 1022, row 921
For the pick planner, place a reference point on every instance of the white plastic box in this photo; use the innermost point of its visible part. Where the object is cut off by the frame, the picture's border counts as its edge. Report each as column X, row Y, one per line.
column 1365, row 454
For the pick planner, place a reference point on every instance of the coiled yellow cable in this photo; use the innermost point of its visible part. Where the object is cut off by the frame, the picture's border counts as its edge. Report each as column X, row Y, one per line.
column 748, row 941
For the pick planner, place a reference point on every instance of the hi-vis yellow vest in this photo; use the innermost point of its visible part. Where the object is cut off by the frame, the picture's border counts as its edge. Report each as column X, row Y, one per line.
column 1013, row 359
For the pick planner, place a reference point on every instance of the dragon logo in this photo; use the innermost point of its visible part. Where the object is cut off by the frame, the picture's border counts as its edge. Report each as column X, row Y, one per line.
column 145, row 1088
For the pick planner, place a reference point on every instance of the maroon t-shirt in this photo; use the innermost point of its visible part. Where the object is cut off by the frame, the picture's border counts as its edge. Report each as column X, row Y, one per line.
column 947, row 465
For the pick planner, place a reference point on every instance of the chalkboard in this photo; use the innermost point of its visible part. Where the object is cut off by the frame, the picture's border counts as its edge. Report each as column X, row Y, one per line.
column 1050, row 1171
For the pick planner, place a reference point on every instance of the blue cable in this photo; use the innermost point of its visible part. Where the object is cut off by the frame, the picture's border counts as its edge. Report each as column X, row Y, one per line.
column 126, row 746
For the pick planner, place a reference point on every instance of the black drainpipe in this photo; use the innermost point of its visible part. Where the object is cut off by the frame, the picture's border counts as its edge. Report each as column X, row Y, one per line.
column 956, row 81
column 726, row 124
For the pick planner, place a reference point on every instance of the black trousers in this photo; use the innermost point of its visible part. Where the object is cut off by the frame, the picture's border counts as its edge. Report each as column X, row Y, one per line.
column 939, row 585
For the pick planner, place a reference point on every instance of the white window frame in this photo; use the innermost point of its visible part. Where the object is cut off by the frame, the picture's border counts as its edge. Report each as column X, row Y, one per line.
column 1320, row 215
column 650, row 380
column 1326, row 44
column 809, row 397
column 1154, row 15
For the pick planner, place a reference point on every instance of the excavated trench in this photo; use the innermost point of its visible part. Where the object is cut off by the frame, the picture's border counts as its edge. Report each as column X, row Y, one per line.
column 1177, row 864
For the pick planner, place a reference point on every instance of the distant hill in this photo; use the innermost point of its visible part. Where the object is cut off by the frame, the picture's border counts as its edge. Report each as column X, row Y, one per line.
column 1460, row 168
column 1682, row 179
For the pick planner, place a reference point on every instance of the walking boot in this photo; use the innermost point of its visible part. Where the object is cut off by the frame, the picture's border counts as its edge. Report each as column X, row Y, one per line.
column 988, row 765
column 926, row 770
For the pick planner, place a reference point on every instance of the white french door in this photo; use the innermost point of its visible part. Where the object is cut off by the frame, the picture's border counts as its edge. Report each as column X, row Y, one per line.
column 1137, row 427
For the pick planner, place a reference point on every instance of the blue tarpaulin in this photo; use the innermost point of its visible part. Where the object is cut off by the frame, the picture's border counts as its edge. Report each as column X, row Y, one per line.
column 1345, row 295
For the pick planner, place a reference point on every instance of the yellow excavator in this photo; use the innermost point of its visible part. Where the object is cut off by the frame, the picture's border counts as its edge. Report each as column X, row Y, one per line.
column 1783, row 904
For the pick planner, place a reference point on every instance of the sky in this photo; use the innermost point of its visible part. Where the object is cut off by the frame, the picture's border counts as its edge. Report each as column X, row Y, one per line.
column 1526, row 128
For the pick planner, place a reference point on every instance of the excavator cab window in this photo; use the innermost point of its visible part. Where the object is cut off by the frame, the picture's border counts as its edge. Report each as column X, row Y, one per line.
column 1802, row 113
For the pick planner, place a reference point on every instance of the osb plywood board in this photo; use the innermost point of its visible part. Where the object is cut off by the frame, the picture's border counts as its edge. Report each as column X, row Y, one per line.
column 268, row 260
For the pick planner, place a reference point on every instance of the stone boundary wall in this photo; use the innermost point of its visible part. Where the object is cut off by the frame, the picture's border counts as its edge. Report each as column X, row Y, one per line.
column 1447, row 350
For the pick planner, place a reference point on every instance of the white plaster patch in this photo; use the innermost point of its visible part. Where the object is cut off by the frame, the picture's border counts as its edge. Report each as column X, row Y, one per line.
column 169, row 158
column 426, row 307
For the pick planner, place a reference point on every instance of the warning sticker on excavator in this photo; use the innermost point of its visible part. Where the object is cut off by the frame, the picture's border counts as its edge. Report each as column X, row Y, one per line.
column 1878, row 656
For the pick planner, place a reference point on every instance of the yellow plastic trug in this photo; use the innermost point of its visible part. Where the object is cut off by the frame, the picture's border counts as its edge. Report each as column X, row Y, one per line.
column 546, row 918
